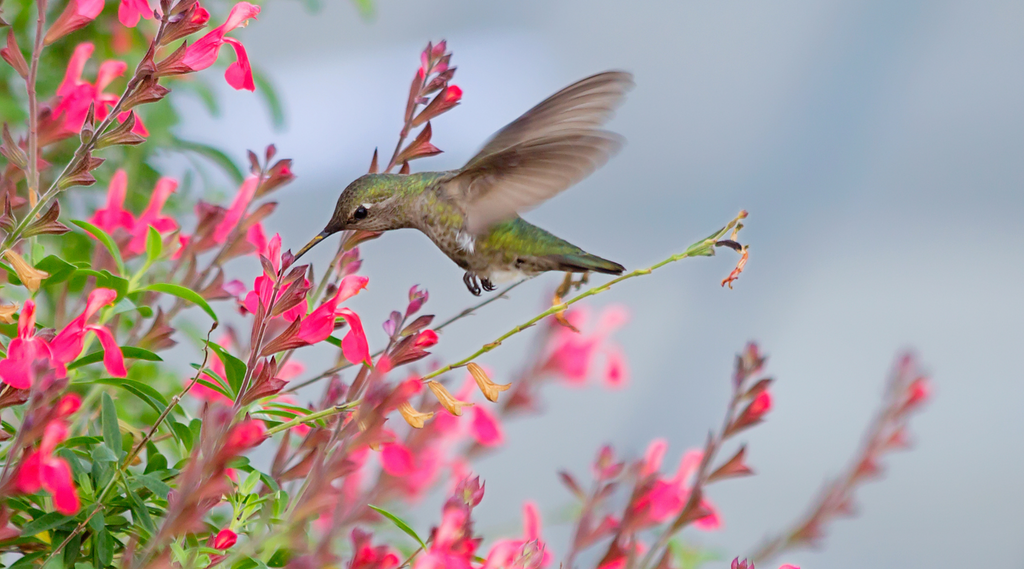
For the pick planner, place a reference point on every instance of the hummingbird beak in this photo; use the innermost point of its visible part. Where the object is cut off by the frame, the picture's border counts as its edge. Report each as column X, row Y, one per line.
column 320, row 237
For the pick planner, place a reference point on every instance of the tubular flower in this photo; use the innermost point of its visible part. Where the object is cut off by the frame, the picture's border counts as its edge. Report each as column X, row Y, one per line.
column 40, row 469
column 76, row 15
column 665, row 498
column 572, row 354
column 114, row 215
column 152, row 217
column 528, row 551
column 224, row 539
column 76, row 95
column 130, row 11
column 69, row 342
column 203, row 53
column 23, row 351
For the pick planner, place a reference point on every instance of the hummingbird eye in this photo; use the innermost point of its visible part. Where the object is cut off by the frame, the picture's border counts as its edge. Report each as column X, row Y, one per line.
column 360, row 213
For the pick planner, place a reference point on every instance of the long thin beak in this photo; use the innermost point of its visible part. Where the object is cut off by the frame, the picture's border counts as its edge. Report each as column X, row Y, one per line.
column 320, row 237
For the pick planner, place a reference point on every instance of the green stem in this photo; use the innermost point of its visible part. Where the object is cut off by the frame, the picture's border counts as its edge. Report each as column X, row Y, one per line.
column 703, row 248
column 335, row 410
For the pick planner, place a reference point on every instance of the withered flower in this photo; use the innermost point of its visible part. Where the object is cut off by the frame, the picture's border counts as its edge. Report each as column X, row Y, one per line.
column 416, row 419
column 29, row 275
column 447, row 400
column 487, row 387
column 6, row 313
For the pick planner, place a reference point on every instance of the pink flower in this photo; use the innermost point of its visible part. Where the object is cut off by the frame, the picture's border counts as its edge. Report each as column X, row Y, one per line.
column 114, row 215
column 665, row 498
column 506, row 552
column 23, row 351
column 244, row 436
column 40, row 469
column 571, row 354
column 396, row 459
column 76, row 95
column 151, row 217
column 203, row 53
column 76, row 15
column 130, row 11
column 788, row 566
column 485, row 427
column 453, row 546
column 236, row 211
column 616, row 373
column 224, row 539
column 69, row 342
column 366, row 556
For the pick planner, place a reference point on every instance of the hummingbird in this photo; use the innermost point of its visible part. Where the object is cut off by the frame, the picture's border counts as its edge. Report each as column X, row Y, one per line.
column 472, row 214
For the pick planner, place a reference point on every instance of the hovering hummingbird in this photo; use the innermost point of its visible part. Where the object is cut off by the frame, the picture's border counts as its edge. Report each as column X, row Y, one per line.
column 471, row 214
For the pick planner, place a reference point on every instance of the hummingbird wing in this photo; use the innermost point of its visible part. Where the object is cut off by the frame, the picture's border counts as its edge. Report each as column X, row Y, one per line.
column 551, row 147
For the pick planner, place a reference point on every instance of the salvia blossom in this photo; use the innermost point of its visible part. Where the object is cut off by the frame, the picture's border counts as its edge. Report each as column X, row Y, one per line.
column 76, row 15
column 665, row 497
column 41, row 469
column 77, row 95
column 24, row 350
column 203, row 53
column 68, row 343
column 224, row 539
column 130, row 11
column 367, row 556
column 114, row 216
column 571, row 354
column 527, row 551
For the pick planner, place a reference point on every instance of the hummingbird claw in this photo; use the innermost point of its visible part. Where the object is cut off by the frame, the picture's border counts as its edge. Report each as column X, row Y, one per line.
column 488, row 286
column 471, row 283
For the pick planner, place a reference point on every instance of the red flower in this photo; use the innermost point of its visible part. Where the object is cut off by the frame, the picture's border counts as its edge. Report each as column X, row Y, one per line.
column 76, row 15
column 130, row 11
column 366, row 556
column 23, row 351
column 114, row 215
column 244, row 436
column 224, row 539
column 152, row 217
column 571, row 353
column 485, row 428
column 203, row 53
column 511, row 552
column 69, row 342
column 40, row 469
column 665, row 498
column 76, row 96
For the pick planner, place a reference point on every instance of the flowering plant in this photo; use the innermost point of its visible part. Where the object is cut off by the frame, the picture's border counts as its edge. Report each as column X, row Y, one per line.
column 110, row 458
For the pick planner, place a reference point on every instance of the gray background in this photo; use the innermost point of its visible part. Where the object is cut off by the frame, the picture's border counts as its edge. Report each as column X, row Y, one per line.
column 878, row 147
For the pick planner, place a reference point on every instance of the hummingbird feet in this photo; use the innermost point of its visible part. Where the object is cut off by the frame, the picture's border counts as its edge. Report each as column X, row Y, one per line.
column 472, row 284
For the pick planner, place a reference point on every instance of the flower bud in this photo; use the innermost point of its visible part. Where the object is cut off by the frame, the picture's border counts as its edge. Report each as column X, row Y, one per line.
column 487, row 387
column 446, row 399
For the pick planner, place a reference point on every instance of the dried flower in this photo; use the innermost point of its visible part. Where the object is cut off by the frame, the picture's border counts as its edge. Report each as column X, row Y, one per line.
column 29, row 275
column 449, row 402
column 7, row 313
column 487, row 387
column 415, row 418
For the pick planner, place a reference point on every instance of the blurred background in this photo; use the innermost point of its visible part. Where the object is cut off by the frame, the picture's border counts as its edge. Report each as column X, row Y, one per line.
column 879, row 148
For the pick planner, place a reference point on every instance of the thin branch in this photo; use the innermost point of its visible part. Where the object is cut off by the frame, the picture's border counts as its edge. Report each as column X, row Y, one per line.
column 330, row 411
column 32, row 180
column 702, row 248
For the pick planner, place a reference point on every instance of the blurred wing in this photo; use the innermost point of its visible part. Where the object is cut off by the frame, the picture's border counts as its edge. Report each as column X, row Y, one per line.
column 551, row 147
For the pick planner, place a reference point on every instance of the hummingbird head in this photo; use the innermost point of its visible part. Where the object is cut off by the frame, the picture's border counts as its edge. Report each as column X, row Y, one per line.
column 368, row 203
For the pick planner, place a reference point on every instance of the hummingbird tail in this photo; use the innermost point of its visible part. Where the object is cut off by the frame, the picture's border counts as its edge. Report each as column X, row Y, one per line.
column 586, row 262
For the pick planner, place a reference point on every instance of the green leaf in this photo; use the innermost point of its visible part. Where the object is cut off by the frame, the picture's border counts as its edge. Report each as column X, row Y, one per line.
column 45, row 522
column 184, row 294
column 28, row 559
column 103, row 547
column 111, row 431
column 130, row 352
column 104, row 238
column 234, row 368
column 59, row 269
column 106, row 279
column 154, row 245
column 399, row 523
column 102, row 453
column 140, row 513
column 145, row 392
column 182, row 432
column 126, row 305
column 266, row 89
column 214, row 155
